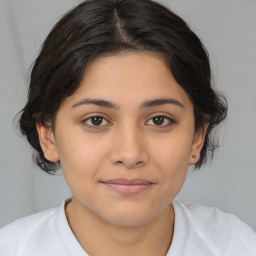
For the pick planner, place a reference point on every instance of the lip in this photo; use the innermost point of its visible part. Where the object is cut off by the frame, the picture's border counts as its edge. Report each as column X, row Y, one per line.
column 128, row 186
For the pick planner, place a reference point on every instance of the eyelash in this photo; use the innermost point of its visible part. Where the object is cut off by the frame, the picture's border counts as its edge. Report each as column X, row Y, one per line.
column 170, row 121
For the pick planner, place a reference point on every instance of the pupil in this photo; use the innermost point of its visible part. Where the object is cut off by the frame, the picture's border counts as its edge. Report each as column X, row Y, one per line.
column 96, row 120
column 158, row 120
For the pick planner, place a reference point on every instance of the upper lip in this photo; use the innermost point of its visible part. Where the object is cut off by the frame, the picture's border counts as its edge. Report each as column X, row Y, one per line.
column 128, row 181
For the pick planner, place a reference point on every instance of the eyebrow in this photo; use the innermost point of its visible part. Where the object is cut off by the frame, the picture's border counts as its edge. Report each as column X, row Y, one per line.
column 146, row 104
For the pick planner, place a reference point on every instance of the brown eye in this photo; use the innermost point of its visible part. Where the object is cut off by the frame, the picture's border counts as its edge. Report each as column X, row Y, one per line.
column 95, row 121
column 160, row 121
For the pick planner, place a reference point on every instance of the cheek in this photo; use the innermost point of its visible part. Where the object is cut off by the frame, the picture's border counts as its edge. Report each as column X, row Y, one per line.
column 173, row 151
column 80, row 158
column 171, row 157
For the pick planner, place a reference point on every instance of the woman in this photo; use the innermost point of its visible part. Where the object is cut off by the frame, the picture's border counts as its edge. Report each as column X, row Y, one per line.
column 120, row 98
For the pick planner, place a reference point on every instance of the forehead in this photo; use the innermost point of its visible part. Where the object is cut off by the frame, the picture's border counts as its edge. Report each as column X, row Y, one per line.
column 129, row 78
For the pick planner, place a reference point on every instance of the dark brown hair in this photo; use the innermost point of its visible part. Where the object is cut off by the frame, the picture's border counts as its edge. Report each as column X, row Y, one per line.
column 105, row 27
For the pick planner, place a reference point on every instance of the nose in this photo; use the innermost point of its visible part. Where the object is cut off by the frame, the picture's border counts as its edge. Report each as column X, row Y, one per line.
column 128, row 148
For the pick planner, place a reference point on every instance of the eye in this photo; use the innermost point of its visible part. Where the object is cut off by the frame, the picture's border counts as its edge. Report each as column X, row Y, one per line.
column 95, row 121
column 160, row 121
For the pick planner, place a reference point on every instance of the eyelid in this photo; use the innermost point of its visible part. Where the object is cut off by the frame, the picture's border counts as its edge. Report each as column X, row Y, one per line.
column 95, row 126
column 170, row 119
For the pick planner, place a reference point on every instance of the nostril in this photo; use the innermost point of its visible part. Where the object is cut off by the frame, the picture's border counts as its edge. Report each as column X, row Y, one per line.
column 130, row 165
column 139, row 163
column 130, row 157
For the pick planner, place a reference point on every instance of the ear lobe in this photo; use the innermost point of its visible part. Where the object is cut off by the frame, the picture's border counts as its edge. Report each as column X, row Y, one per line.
column 197, row 145
column 47, row 143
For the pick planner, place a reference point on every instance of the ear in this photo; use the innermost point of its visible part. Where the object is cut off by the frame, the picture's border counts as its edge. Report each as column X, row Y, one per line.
column 47, row 142
column 197, row 145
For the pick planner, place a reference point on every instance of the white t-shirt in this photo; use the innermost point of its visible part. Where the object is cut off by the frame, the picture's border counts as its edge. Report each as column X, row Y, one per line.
column 198, row 231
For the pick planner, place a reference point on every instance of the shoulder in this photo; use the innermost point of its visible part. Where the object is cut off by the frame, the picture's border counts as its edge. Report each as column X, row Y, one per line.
column 30, row 222
column 217, row 229
column 26, row 230
column 201, row 215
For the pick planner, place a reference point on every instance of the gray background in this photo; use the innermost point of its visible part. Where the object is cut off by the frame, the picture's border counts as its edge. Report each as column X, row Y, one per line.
column 228, row 30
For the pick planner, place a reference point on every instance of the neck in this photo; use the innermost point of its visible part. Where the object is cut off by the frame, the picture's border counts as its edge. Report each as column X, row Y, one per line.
column 153, row 238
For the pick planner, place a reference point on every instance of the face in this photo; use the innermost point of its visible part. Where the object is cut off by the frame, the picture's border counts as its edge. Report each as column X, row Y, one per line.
column 125, row 138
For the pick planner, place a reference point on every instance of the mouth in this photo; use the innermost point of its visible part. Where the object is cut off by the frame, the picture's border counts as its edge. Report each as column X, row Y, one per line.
column 128, row 187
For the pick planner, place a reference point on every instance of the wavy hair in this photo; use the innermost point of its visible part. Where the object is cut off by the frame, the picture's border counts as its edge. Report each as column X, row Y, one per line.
column 105, row 27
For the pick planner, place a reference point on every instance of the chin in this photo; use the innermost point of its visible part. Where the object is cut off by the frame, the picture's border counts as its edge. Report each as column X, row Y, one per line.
column 128, row 217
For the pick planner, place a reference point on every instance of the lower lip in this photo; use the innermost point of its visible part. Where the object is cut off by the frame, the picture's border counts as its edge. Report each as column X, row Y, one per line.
column 128, row 189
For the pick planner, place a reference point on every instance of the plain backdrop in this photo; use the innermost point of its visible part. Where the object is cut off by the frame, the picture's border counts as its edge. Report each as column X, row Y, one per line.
column 228, row 30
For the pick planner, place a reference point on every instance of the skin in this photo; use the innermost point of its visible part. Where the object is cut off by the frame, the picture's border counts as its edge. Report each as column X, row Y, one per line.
column 128, row 143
